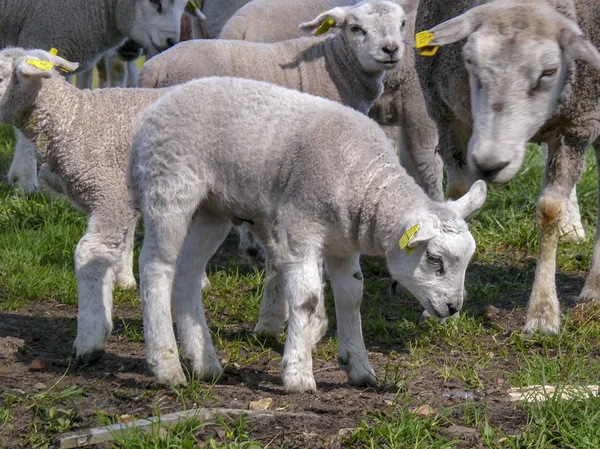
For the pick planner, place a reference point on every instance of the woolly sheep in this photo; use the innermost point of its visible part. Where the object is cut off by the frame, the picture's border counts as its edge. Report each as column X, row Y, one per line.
column 516, row 79
column 217, row 13
column 82, row 30
column 84, row 138
column 401, row 104
column 314, row 179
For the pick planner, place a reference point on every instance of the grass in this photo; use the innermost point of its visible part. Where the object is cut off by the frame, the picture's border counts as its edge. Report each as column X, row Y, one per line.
column 474, row 353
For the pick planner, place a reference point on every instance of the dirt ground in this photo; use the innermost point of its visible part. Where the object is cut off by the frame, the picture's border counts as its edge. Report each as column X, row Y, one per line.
column 122, row 384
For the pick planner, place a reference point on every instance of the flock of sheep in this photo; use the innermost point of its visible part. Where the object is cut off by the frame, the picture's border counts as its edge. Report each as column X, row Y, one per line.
column 268, row 131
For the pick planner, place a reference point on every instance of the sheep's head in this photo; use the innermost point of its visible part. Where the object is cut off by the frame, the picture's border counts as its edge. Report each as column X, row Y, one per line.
column 519, row 58
column 431, row 254
column 156, row 23
column 374, row 29
column 21, row 75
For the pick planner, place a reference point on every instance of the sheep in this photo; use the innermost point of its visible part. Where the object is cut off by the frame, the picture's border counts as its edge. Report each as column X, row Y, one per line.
column 526, row 72
column 82, row 30
column 313, row 179
column 401, row 104
column 84, row 138
column 217, row 13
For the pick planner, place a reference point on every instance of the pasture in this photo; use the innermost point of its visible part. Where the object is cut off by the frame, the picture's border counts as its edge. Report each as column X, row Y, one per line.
column 440, row 386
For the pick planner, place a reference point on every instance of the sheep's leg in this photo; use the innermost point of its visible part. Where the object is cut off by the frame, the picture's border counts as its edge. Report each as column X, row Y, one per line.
column 251, row 247
column 132, row 73
column 591, row 288
column 303, row 289
column 452, row 146
column 165, row 231
column 563, row 168
column 570, row 225
column 96, row 256
column 84, row 79
column 206, row 233
column 347, row 284
column 23, row 169
column 124, row 269
column 273, row 307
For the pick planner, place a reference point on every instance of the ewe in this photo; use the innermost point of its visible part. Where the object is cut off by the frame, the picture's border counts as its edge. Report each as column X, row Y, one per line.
column 84, row 138
column 313, row 179
column 514, row 80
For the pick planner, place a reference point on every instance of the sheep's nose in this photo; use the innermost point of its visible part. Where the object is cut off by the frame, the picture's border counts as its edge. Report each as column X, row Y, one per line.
column 452, row 309
column 170, row 42
column 490, row 169
column 390, row 49
column 252, row 252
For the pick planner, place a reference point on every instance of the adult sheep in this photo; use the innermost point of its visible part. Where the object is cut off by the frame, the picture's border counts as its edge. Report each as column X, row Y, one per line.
column 314, row 179
column 526, row 72
column 82, row 31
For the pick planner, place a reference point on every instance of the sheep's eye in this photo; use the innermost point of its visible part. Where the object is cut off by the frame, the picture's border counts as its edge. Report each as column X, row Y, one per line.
column 437, row 262
column 157, row 4
column 357, row 29
column 549, row 72
column 403, row 24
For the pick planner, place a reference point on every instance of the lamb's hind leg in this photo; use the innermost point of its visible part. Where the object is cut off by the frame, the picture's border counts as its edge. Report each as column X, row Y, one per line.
column 563, row 168
column 96, row 258
column 347, row 283
column 124, row 272
column 591, row 288
column 206, row 233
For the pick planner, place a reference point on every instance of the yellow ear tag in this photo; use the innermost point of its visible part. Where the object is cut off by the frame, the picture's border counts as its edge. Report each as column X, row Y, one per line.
column 41, row 65
column 407, row 237
column 324, row 28
column 422, row 40
column 53, row 51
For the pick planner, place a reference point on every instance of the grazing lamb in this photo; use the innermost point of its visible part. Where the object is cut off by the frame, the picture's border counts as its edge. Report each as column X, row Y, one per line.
column 84, row 138
column 313, row 179
column 82, row 31
column 400, row 109
column 525, row 72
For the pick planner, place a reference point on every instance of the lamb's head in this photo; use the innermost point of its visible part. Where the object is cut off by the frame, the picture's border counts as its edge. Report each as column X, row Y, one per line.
column 519, row 56
column 374, row 29
column 154, row 24
column 433, row 249
column 21, row 75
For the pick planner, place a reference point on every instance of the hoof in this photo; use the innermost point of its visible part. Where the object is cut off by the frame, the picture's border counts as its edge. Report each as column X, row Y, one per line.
column 541, row 324
column 90, row 357
column 126, row 284
column 172, row 377
column 362, row 376
column 297, row 383
column 263, row 331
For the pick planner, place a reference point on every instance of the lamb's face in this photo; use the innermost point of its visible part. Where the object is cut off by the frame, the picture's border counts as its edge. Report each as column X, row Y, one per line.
column 515, row 82
column 157, row 23
column 434, row 271
column 375, row 32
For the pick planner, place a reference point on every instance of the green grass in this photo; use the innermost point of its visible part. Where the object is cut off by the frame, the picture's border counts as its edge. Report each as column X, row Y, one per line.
column 38, row 235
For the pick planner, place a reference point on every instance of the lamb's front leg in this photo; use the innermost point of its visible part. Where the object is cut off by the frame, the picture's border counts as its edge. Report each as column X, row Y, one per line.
column 304, row 291
column 563, row 168
column 347, row 284
column 205, row 235
column 591, row 288
column 23, row 169
column 273, row 307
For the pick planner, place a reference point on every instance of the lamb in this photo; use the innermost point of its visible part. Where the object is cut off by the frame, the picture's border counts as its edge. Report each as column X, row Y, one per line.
column 313, row 179
column 88, row 158
column 82, row 31
column 517, row 79
column 400, row 106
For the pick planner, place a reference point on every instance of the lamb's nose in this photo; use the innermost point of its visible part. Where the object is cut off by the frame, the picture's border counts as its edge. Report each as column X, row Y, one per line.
column 170, row 42
column 390, row 49
column 452, row 309
column 490, row 169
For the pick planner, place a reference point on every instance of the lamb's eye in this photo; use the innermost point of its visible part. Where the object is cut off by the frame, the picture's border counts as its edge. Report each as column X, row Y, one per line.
column 549, row 72
column 357, row 29
column 157, row 4
column 403, row 24
column 437, row 262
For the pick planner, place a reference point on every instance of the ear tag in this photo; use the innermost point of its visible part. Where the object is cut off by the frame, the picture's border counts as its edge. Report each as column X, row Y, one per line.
column 324, row 28
column 422, row 40
column 40, row 65
column 53, row 51
column 407, row 237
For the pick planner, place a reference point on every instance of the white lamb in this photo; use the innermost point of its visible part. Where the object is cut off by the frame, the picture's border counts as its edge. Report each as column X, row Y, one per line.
column 84, row 138
column 313, row 179
column 82, row 31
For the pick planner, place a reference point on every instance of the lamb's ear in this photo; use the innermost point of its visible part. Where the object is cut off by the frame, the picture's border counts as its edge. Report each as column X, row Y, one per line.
column 472, row 200
column 415, row 233
column 333, row 18
column 571, row 38
column 409, row 5
column 41, row 64
column 193, row 8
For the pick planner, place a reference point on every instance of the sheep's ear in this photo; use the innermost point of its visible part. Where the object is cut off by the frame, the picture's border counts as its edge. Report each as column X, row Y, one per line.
column 415, row 233
column 472, row 200
column 327, row 19
column 571, row 38
column 409, row 5
column 455, row 29
column 193, row 8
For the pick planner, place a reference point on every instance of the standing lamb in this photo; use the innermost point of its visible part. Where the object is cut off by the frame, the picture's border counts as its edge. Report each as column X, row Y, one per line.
column 400, row 109
column 516, row 79
column 84, row 138
column 314, row 179
column 82, row 31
